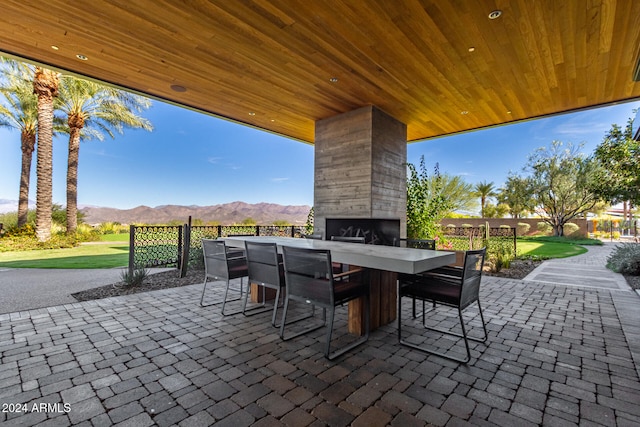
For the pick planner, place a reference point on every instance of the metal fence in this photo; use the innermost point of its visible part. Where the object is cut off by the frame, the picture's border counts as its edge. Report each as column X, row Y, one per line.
column 465, row 238
column 180, row 246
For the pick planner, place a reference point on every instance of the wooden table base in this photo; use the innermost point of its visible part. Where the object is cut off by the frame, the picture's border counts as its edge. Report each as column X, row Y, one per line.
column 383, row 298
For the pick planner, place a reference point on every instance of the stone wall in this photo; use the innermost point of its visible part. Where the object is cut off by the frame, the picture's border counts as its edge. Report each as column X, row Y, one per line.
column 511, row 222
column 360, row 167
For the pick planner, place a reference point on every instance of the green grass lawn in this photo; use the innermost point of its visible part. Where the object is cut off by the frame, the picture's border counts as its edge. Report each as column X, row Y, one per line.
column 83, row 256
column 115, row 237
column 543, row 249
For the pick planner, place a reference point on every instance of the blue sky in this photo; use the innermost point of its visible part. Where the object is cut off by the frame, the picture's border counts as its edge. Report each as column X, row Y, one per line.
column 194, row 159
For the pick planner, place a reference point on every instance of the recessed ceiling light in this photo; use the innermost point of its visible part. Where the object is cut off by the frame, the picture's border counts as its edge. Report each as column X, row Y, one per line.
column 464, row 112
column 273, row 120
column 178, row 88
column 54, row 47
column 508, row 112
column 495, row 14
column 252, row 113
column 472, row 49
column 333, row 80
column 82, row 57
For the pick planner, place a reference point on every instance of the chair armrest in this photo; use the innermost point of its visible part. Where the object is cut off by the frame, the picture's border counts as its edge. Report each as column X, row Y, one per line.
column 348, row 273
column 446, row 271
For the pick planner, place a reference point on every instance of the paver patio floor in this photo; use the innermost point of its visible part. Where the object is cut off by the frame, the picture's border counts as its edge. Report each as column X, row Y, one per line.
column 556, row 355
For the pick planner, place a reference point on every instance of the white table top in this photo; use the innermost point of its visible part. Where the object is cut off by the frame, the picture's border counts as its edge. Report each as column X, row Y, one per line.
column 389, row 258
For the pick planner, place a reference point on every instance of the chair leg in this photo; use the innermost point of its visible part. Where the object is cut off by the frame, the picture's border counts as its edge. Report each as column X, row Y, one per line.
column 305, row 331
column 437, row 353
column 356, row 343
column 224, row 302
column 204, row 288
column 260, row 308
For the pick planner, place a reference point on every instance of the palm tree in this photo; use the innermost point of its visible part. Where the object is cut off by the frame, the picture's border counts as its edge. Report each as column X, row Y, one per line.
column 484, row 190
column 20, row 112
column 45, row 86
column 93, row 109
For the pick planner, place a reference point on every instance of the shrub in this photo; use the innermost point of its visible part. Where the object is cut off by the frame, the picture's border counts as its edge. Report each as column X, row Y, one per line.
column 544, row 228
column 505, row 226
column 522, row 228
column 466, row 225
column 571, row 229
column 625, row 259
column 135, row 279
column 500, row 254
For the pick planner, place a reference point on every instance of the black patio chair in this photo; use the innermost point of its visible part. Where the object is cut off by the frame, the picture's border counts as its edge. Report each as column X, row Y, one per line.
column 265, row 269
column 418, row 243
column 222, row 263
column 337, row 266
column 429, row 244
column 459, row 291
column 310, row 280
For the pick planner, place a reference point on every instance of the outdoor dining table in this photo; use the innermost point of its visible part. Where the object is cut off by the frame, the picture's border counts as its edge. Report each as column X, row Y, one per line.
column 383, row 264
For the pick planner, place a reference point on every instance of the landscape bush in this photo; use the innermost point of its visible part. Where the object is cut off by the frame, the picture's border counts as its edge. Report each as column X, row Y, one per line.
column 112, row 228
column 571, row 229
column 625, row 259
column 135, row 279
column 544, row 227
column 522, row 228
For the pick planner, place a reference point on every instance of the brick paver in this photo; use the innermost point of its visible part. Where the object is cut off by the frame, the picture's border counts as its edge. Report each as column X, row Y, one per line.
column 556, row 355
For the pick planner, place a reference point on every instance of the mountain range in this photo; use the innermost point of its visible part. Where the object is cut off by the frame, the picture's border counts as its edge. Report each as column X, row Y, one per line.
column 228, row 213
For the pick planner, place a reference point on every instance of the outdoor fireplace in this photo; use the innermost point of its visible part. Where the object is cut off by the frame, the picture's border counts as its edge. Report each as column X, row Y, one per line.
column 376, row 231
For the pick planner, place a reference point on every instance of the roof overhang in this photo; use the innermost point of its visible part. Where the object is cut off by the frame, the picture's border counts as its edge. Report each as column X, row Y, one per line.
column 441, row 67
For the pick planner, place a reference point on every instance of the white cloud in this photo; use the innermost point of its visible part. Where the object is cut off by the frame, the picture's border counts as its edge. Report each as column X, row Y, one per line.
column 279, row 179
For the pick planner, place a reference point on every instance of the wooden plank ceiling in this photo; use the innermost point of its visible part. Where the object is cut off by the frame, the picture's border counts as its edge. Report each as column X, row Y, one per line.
column 439, row 66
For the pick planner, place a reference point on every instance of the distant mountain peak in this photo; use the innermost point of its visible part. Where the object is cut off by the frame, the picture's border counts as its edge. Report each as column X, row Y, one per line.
column 227, row 213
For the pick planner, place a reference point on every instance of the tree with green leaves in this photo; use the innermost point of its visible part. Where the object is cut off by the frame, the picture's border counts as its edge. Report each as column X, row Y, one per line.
column 458, row 193
column 561, row 182
column 19, row 111
column 618, row 156
column 426, row 203
column 484, row 190
column 495, row 211
column 93, row 110
column 309, row 225
column 516, row 194
column 45, row 86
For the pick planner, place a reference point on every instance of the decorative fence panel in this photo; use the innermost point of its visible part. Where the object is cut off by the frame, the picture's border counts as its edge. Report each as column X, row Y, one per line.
column 155, row 246
column 465, row 238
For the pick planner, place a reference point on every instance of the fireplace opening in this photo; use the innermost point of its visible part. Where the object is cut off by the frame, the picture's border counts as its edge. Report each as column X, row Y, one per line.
column 376, row 231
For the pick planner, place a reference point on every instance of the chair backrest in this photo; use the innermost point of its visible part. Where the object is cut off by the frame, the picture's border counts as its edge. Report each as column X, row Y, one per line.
column 308, row 274
column 471, row 276
column 263, row 263
column 215, row 258
column 349, row 239
column 418, row 243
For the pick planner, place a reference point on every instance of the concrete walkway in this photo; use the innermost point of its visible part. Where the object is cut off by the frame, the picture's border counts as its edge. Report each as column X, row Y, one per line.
column 557, row 355
column 30, row 288
column 588, row 269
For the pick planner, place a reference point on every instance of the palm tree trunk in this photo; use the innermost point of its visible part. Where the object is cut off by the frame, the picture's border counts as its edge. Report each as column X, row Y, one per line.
column 45, row 85
column 28, row 145
column 75, row 126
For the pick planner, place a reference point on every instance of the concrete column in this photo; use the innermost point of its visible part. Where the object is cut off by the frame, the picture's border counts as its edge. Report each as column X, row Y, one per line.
column 360, row 167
